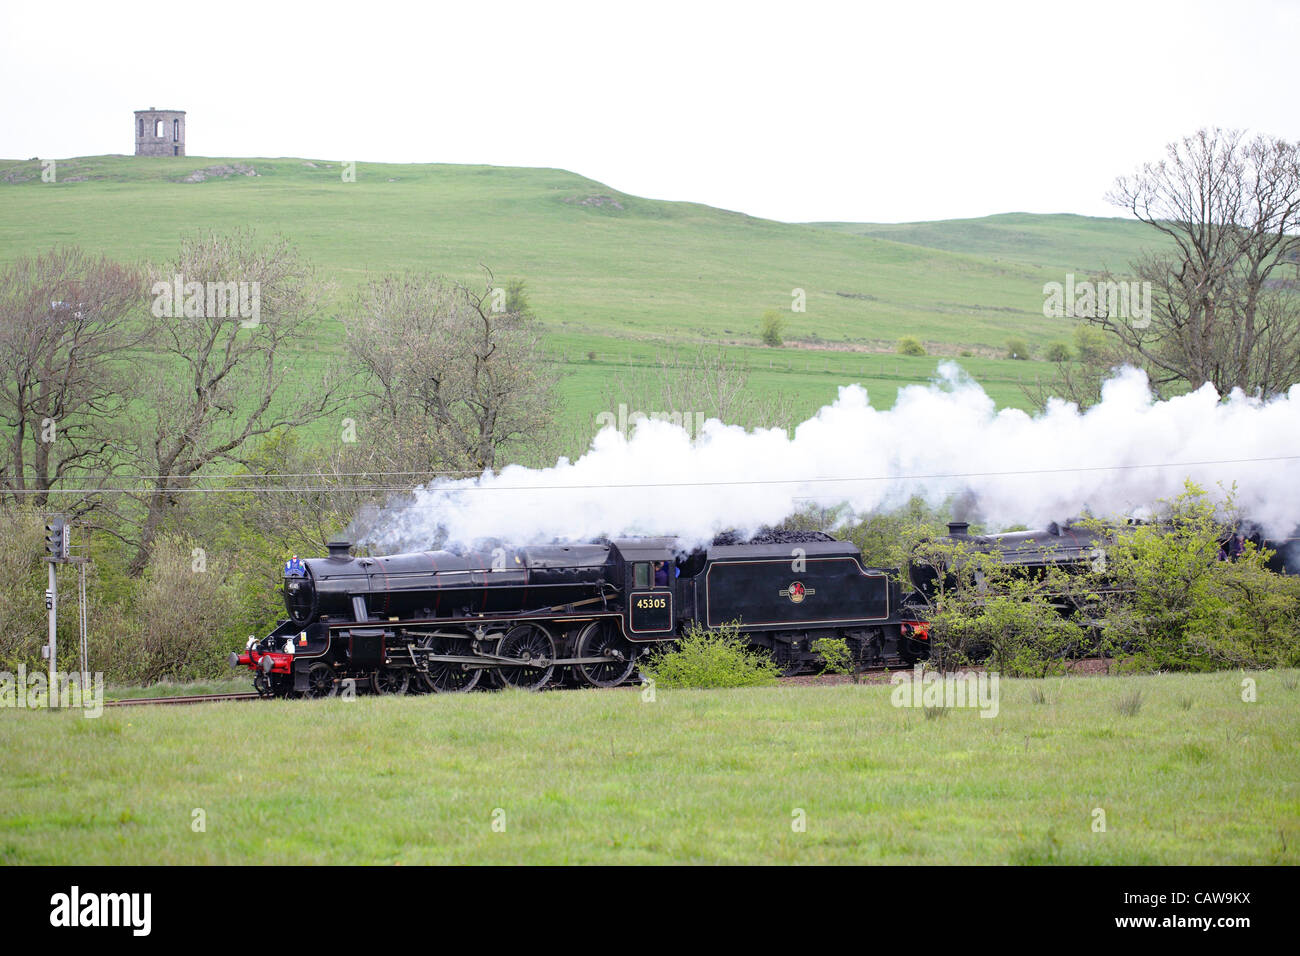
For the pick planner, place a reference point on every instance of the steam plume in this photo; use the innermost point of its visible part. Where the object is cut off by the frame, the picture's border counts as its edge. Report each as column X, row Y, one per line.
column 943, row 441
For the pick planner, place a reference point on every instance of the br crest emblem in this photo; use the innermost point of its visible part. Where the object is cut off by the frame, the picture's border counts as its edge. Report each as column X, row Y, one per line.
column 796, row 592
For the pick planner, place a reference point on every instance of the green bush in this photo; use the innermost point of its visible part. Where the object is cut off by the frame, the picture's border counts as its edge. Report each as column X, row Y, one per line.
column 1059, row 352
column 180, row 622
column 772, row 328
column 837, row 657
column 1017, row 349
column 23, row 576
column 988, row 610
column 1019, row 634
column 1177, row 606
column 711, row 658
column 910, row 345
column 1089, row 343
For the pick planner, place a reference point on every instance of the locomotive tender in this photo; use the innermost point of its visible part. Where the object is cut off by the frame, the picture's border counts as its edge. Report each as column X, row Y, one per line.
column 445, row 621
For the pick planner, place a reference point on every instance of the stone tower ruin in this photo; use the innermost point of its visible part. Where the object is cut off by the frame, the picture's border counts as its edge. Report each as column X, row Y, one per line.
column 159, row 132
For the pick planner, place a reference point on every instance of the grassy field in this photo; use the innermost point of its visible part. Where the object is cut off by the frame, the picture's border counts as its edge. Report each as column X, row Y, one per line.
column 616, row 275
column 1061, row 243
column 1194, row 775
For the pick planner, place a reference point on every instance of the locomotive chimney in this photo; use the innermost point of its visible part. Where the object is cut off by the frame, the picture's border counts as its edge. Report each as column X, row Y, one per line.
column 340, row 549
column 958, row 528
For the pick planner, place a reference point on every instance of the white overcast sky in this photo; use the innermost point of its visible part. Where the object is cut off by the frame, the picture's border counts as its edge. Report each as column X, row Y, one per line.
column 794, row 111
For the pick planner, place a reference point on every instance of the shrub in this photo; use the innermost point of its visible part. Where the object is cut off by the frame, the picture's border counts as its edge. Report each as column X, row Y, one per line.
column 836, row 656
column 1017, row 349
column 989, row 610
column 1179, row 607
column 23, row 576
column 772, row 328
column 1089, row 343
column 1059, row 352
column 910, row 345
column 180, row 621
column 1019, row 633
column 711, row 658
column 517, row 298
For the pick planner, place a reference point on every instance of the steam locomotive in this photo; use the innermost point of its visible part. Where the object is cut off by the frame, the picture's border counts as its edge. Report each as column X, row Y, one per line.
column 451, row 621
column 1075, row 548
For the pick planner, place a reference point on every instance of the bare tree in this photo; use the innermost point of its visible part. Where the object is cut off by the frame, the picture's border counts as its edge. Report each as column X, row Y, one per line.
column 65, row 328
column 453, row 377
column 1230, row 210
column 227, row 314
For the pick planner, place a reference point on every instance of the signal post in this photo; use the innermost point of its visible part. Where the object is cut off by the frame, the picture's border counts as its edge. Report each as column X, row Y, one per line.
column 58, row 545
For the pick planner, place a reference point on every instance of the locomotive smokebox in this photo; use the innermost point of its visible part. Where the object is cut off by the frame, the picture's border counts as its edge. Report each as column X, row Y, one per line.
column 340, row 549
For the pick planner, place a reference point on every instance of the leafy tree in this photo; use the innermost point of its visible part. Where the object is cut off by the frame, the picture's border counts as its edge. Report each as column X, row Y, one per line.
column 772, row 328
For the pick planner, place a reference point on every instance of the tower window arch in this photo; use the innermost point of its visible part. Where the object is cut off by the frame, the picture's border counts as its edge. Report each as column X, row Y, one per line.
column 158, row 128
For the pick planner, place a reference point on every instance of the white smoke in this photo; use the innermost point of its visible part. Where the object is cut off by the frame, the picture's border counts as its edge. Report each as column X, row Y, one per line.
column 941, row 441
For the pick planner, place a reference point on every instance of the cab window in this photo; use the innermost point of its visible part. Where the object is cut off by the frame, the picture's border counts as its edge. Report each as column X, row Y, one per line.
column 641, row 574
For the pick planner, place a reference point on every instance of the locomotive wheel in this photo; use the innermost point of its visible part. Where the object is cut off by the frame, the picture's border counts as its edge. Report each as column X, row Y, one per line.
column 602, row 639
column 390, row 680
column 449, row 678
column 320, row 680
column 527, row 642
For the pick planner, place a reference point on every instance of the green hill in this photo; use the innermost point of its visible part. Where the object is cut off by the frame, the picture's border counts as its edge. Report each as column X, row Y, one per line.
column 612, row 275
column 1059, row 243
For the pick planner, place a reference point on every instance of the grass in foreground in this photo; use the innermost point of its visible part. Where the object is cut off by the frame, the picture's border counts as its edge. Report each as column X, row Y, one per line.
column 1192, row 775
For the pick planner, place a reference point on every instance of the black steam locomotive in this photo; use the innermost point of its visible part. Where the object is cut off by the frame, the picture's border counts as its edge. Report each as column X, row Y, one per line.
column 1076, row 548
column 443, row 621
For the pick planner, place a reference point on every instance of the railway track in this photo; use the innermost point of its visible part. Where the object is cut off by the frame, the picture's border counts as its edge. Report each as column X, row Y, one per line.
column 178, row 700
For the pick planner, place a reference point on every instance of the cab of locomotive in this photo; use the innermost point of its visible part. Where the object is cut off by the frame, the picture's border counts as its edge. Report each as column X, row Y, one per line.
column 650, row 576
